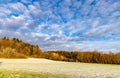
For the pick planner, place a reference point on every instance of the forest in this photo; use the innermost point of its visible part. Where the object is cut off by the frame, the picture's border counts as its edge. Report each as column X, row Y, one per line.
column 15, row 48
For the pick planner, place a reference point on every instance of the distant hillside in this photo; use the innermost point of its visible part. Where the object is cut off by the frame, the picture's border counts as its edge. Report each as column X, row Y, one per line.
column 15, row 48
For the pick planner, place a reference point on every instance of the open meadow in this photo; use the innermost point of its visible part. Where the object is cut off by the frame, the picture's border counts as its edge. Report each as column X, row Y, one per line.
column 44, row 68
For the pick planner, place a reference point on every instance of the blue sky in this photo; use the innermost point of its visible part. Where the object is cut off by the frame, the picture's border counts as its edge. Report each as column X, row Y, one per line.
column 71, row 25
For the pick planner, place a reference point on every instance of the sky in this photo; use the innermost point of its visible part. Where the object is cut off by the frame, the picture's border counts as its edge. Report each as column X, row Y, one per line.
column 72, row 25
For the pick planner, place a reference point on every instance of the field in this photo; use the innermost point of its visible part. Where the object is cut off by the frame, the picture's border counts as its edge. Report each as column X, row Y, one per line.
column 43, row 68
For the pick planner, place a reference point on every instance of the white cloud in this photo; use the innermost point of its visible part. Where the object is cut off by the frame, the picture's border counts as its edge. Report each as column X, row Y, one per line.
column 26, row 1
column 95, row 23
column 117, row 13
column 13, row 22
column 104, row 31
column 17, row 8
column 34, row 10
column 62, row 25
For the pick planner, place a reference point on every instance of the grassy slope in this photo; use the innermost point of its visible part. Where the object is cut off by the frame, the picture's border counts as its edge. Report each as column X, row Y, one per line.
column 53, row 69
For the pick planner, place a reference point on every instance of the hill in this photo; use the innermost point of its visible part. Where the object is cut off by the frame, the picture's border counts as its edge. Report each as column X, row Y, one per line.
column 15, row 48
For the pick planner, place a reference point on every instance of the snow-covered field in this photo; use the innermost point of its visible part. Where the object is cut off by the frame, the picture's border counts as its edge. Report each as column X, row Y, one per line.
column 86, row 70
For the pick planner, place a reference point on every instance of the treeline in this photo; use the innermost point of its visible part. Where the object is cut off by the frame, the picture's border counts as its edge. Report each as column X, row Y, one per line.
column 86, row 57
column 15, row 48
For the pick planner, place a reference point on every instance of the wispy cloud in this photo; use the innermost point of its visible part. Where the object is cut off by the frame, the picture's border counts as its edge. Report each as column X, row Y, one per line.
column 63, row 24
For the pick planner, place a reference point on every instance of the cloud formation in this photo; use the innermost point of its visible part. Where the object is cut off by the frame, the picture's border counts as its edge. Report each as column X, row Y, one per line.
column 63, row 24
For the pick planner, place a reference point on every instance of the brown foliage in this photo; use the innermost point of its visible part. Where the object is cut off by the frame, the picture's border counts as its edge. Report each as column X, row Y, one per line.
column 15, row 48
column 87, row 57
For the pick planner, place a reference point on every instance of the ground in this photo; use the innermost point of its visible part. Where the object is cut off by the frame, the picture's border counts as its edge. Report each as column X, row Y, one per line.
column 68, row 69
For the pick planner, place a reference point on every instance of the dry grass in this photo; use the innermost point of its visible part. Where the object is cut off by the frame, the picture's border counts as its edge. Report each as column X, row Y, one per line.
column 23, row 74
column 85, row 70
